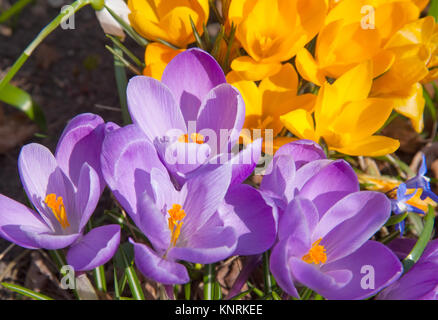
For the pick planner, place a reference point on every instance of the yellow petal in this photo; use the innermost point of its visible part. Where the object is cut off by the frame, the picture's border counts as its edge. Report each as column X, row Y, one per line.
column 308, row 68
column 249, row 69
column 157, row 56
column 373, row 146
column 300, row 123
column 410, row 103
column 361, row 119
column 382, row 62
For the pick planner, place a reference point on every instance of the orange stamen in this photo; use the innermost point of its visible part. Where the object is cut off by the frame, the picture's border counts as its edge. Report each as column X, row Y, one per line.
column 176, row 215
column 56, row 204
column 316, row 254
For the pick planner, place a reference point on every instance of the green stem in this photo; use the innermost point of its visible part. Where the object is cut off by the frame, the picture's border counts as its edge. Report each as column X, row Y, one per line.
column 122, row 82
column 266, row 273
column 65, row 14
column 208, row 281
column 99, row 277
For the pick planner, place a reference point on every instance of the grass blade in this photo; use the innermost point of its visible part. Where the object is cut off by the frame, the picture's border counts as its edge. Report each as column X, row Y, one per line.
column 208, row 281
column 422, row 241
column 25, row 292
column 21, row 100
column 122, row 83
column 14, row 10
column 396, row 219
column 99, row 278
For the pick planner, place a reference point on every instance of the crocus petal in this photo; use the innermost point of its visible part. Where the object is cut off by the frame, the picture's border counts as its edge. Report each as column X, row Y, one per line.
column 43, row 239
column 106, row 20
column 147, row 97
column 205, row 191
column 349, row 224
column 127, row 159
column 190, row 76
column 299, row 220
column 41, row 176
column 402, row 247
column 223, row 131
column 277, row 181
column 87, row 195
column 244, row 163
column 153, row 223
column 96, row 248
column 330, row 184
column 249, row 69
column 373, row 146
column 80, row 142
column 302, row 152
column 251, row 218
column 15, row 214
column 311, row 276
column 279, row 265
column 207, row 245
column 373, row 259
column 156, row 268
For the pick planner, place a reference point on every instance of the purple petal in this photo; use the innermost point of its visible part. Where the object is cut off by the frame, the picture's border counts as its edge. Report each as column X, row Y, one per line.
column 41, row 176
column 87, row 195
column 127, row 160
column 302, row 151
column 299, row 220
column 96, row 248
column 45, row 240
column 279, row 182
column 419, row 283
column 156, row 268
column 191, row 75
column 205, row 192
column 402, row 247
column 221, row 132
column 15, row 214
column 374, row 260
column 182, row 158
column 153, row 107
column 313, row 277
column 279, row 265
column 207, row 245
column 81, row 142
column 153, row 223
column 244, row 163
column 351, row 222
column 330, row 184
column 251, row 218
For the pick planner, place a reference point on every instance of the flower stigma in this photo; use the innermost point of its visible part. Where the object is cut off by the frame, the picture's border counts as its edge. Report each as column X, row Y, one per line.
column 316, row 254
column 56, row 204
column 176, row 215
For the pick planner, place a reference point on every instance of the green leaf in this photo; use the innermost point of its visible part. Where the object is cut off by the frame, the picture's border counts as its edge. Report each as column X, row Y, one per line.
column 276, row 296
column 396, row 219
column 124, row 256
column 433, row 9
column 21, row 100
column 217, row 291
column 117, row 43
column 122, row 82
column 116, row 284
column 25, row 292
column 267, row 274
column 187, row 290
column 14, row 10
column 198, row 38
column 422, row 241
column 429, row 104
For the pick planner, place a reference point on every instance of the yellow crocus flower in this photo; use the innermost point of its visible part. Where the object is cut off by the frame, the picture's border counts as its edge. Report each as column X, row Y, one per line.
column 272, row 31
column 168, row 20
column 345, row 117
column 275, row 96
column 415, row 48
column 388, row 185
column 355, row 31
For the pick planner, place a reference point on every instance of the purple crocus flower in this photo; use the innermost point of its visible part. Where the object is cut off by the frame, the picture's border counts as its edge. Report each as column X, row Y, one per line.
column 64, row 190
column 203, row 222
column 192, row 116
column 421, row 281
column 324, row 226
